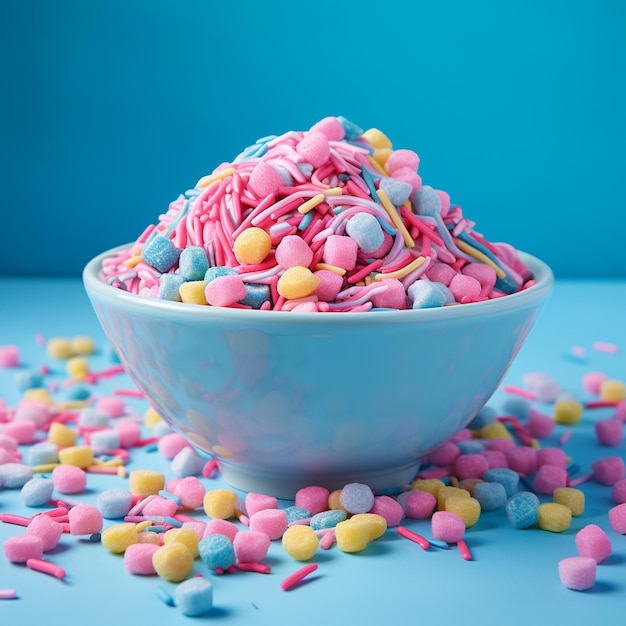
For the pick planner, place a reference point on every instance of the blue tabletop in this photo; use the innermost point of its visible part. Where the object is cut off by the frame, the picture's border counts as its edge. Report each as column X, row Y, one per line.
column 512, row 578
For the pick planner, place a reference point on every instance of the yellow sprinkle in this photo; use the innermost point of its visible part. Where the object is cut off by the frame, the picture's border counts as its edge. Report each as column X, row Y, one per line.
column 478, row 255
column 401, row 273
column 377, row 138
column 376, row 165
column 192, row 292
column 330, row 268
column 395, row 218
column 72, row 404
column 333, row 191
column 111, row 463
column 143, row 525
column 205, row 181
column 133, row 260
column 311, row 203
column 43, row 469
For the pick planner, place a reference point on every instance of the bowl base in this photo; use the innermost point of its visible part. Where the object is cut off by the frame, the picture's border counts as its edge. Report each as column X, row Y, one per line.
column 250, row 479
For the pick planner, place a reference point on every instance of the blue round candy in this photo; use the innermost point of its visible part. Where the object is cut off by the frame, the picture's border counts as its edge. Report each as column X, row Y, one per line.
column 424, row 295
column 114, row 503
column 217, row 551
column 37, row 491
column 356, row 498
column 161, row 253
column 505, row 476
column 366, row 231
column 491, row 496
column 296, row 513
column 169, row 287
column 43, row 453
column 15, row 475
column 521, row 509
column 427, row 201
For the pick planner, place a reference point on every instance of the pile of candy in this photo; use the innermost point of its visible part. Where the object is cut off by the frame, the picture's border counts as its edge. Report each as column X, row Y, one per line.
column 163, row 527
column 331, row 219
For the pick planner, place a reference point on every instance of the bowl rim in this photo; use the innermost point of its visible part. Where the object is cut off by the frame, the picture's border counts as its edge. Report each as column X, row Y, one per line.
column 94, row 285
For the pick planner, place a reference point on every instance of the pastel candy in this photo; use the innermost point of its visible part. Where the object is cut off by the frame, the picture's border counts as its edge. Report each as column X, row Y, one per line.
column 161, row 253
column 484, row 274
column 329, row 285
column 389, row 508
column 522, row 459
column 193, row 263
column 297, row 513
column 608, row 470
column 173, row 562
column 356, row 498
column 138, row 559
column 573, row 499
column 37, row 491
column 23, row 432
column 265, row 180
column 169, row 287
column 251, row 546
column 297, row 282
column 69, row 479
column 463, row 286
column 15, row 475
column 407, row 175
column 114, row 503
column 187, row 536
column 194, row 596
column 159, row 506
column 331, row 127
column 292, row 251
column 620, row 411
column 468, row 509
column 428, row 201
column 190, row 491
column 592, row 381
column 423, row 295
column 61, row 435
column 9, row 356
column 327, row 519
column 112, row 406
column 419, row 504
column 225, row 291
column 351, row 130
column 186, row 463
column 430, row 485
column 593, row 542
column 567, row 412
column 256, row 295
column 516, row 406
column 402, row 158
column 341, row 252
column 450, row 492
column 216, row 551
column 20, row 548
column 618, row 491
column 617, row 518
column 447, row 526
column 128, row 431
column 394, row 297
column 490, row 495
column 552, row 456
column 354, row 534
column 470, row 466
column 314, row 148
column 554, row 517
column 105, row 440
column 272, row 522
column 252, row 246
column 549, row 478
column 300, row 542
column 48, row 530
column 506, row 477
column 85, row 519
column 398, row 191
column 441, row 273
column 445, row 454
column 609, row 432
column 313, row 499
column 224, row 527
column 171, row 444
column 145, row 482
column 117, row 538
column 255, row 502
column 612, row 390
column 220, row 503
column 365, row 229
column 578, row 572
column 521, row 509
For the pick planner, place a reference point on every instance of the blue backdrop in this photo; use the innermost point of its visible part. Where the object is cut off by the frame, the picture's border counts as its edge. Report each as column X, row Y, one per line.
column 110, row 108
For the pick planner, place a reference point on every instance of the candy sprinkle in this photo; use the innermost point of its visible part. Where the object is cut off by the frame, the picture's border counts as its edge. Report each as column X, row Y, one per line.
column 293, row 579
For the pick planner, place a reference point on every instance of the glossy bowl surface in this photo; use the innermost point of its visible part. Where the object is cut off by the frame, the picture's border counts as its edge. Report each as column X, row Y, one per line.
column 286, row 400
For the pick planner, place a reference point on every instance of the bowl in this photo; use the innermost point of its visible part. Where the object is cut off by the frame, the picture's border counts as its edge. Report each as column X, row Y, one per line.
column 286, row 400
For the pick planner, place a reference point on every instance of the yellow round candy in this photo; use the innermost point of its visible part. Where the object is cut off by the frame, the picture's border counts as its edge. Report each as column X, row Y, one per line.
column 79, row 456
column 375, row 523
column 78, row 367
column 432, row 485
column 568, row 412
column 192, row 292
column 354, row 534
column 61, row 435
column 612, row 391
column 495, row 430
column 300, row 542
column 145, row 482
column 554, row 517
column 297, row 282
column 117, row 538
column 468, row 509
column 173, row 562
column 220, row 503
column 82, row 345
column 450, row 492
column 59, row 348
column 377, row 138
column 252, row 246
column 186, row 536
column 573, row 499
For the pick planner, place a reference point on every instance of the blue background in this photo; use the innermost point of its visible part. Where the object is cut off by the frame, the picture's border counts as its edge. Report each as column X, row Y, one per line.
column 110, row 108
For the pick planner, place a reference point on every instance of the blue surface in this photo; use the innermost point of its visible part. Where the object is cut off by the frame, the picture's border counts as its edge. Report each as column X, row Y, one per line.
column 111, row 108
column 513, row 574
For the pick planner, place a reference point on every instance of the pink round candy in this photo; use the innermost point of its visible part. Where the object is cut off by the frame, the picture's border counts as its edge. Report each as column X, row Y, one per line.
column 85, row 519
column 256, row 502
column 390, row 509
column 578, row 572
column 394, row 297
column 495, row 458
column 465, row 434
column 23, row 431
column 539, row 425
column 20, row 548
column 608, row 470
column 265, row 180
column 225, row 290
column 402, row 158
column 484, row 274
column 444, row 197
column 463, row 286
column 251, row 546
column 503, row 444
column 217, row 526
column 552, row 456
column 522, row 459
column 313, row 499
column 128, row 431
column 49, row 531
column 407, row 175
column 190, row 491
column 331, row 127
column 293, row 251
column 445, row 454
column 592, row 381
column 314, row 148
column 138, row 559
column 340, row 251
column 609, row 432
column 470, row 466
column 447, row 526
column 329, row 286
column 549, row 478
column 593, row 542
column 617, row 518
column 69, row 479
column 419, row 504
column 171, row 444
column 272, row 522
column 37, row 412
column 160, row 506
column 9, row 356
column 112, row 406
column 618, row 491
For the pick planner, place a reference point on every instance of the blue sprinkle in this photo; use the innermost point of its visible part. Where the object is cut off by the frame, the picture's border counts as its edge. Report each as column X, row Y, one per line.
column 437, row 543
column 160, row 519
column 386, row 226
column 170, row 496
column 161, row 253
column 306, row 220
column 78, row 392
column 193, row 263
column 369, row 181
column 164, row 597
column 151, row 447
column 154, row 529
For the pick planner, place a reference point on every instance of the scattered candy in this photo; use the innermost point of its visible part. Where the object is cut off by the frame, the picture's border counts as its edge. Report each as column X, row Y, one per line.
column 173, row 562
column 593, row 542
column 194, row 596
column 578, row 572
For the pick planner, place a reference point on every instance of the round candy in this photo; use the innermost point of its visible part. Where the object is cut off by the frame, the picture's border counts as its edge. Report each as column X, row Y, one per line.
column 300, row 542
column 194, row 596
column 186, row 536
column 251, row 546
column 69, row 479
column 293, row 250
column 593, row 542
column 117, row 538
column 49, row 531
column 138, row 559
column 216, row 552
column 419, row 504
column 577, row 572
column 356, row 498
column 297, row 282
column 447, row 526
column 220, row 503
column 145, row 482
column 114, row 503
column 85, row 519
column 252, row 246
column 20, row 548
column 272, row 522
column 173, row 562
column 554, row 517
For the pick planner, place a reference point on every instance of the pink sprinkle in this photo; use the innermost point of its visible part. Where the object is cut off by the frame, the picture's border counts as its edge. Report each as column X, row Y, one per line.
column 565, row 437
column 578, row 351
column 259, row 568
column 293, row 579
column 602, row 346
column 130, row 393
column 421, row 541
column 45, row 567
column 8, row 594
column 518, row 391
column 208, row 471
column 580, row 480
column 464, row 550
column 327, row 540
